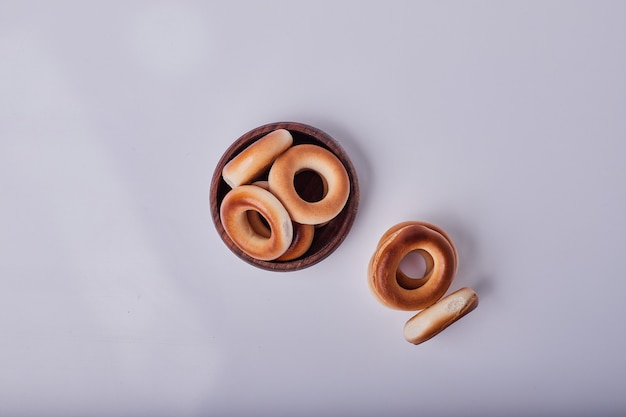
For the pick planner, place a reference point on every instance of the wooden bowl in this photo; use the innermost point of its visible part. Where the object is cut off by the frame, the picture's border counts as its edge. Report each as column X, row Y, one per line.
column 310, row 187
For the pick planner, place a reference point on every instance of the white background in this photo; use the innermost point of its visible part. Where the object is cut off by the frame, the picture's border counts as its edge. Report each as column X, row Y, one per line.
column 502, row 122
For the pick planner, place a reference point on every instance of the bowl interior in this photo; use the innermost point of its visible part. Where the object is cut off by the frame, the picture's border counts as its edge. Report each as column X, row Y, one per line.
column 309, row 185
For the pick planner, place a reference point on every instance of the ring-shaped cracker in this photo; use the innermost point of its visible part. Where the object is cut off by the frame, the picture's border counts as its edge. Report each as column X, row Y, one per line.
column 234, row 216
column 386, row 280
column 323, row 162
column 303, row 234
column 256, row 158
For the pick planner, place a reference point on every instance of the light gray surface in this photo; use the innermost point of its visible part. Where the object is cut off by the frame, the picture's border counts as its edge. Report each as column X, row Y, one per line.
column 502, row 122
